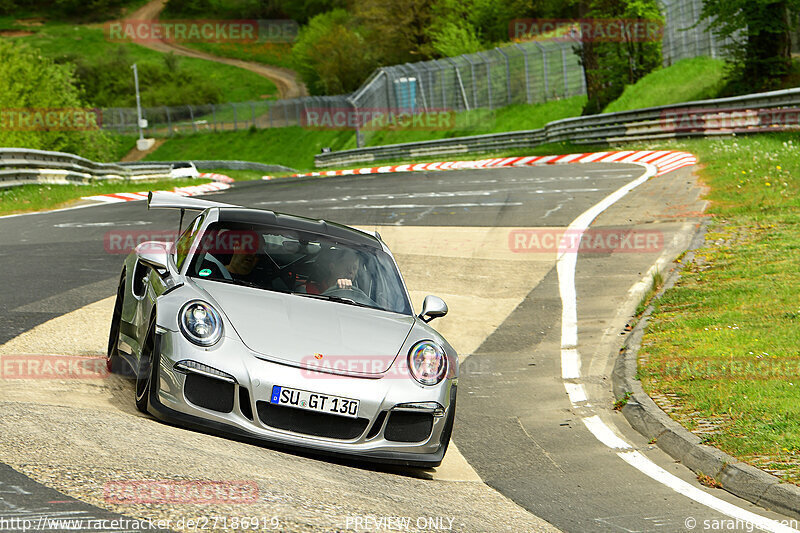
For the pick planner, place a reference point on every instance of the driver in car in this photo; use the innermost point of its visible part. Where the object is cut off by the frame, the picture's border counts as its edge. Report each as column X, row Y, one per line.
column 242, row 263
column 337, row 271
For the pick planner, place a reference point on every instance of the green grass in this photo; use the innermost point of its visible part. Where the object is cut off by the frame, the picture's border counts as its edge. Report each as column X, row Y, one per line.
column 737, row 302
column 59, row 40
column 295, row 147
column 510, row 118
column 691, row 79
column 39, row 197
column 277, row 54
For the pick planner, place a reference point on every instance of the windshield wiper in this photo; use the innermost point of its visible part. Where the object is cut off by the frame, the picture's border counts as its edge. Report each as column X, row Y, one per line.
column 330, row 298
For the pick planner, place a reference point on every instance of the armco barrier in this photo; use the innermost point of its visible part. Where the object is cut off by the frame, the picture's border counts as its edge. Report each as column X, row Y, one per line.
column 21, row 166
column 754, row 113
column 218, row 163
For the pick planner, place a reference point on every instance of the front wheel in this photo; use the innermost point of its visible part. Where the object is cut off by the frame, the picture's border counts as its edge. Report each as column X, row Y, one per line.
column 148, row 365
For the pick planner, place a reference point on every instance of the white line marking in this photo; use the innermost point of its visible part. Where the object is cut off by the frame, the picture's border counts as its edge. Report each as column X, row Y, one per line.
column 570, row 364
column 647, row 467
column 576, row 392
column 604, row 433
column 418, row 206
column 570, row 369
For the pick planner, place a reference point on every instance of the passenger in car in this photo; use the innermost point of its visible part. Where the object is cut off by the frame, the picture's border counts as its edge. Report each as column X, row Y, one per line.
column 336, row 269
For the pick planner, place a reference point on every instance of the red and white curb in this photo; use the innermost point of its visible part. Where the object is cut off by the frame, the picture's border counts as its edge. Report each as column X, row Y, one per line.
column 215, row 177
column 192, row 190
column 664, row 161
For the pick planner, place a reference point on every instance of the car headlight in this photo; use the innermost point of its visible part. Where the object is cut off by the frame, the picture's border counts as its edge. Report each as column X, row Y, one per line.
column 200, row 323
column 427, row 362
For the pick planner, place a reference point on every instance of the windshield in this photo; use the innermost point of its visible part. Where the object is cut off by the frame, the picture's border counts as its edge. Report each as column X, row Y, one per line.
column 301, row 263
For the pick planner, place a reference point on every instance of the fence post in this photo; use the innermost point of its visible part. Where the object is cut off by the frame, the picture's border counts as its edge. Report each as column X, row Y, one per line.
column 564, row 70
column 544, row 68
column 474, row 82
column 527, row 80
column 214, row 115
column 508, row 76
column 191, row 117
column 253, row 112
column 388, row 82
column 460, row 82
column 488, row 77
column 169, row 122
column 235, row 121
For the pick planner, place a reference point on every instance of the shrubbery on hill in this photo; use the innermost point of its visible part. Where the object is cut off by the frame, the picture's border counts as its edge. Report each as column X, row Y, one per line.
column 35, row 91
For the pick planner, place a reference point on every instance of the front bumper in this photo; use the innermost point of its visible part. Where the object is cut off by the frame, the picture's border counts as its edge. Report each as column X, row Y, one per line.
column 238, row 405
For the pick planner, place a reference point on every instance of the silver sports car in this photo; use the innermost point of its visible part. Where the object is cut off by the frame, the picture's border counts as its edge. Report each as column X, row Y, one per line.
column 285, row 329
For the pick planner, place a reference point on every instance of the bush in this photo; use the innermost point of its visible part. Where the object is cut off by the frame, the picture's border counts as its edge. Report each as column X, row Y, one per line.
column 330, row 56
column 78, row 10
column 29, row 82
column 109, row 81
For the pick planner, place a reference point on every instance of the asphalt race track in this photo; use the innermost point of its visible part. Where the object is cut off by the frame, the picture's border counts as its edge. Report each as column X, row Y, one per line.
column 526, row 453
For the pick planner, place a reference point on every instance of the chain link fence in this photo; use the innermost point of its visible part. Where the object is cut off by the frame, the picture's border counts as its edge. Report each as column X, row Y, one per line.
column 170, row 120
column 684, row 37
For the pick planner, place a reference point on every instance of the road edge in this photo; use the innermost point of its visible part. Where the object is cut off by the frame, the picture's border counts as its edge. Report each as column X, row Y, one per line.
column 642, row 413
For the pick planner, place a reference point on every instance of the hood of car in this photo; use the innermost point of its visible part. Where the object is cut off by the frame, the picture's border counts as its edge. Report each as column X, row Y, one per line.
column 309, row 332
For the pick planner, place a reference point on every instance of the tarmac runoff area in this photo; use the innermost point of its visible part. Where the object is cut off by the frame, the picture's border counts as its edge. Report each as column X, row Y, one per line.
column 102, row 438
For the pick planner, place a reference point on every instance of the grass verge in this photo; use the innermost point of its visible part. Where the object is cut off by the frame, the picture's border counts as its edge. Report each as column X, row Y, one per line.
column 721, row 353
column 40, row 197
column 668, row 85
column 295, row 146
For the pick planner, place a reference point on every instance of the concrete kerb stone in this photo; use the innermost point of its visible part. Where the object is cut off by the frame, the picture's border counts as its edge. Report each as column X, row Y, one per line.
column 642, row 413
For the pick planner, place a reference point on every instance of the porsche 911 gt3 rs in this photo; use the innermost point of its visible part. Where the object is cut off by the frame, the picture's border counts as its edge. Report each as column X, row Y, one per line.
column 284, row 329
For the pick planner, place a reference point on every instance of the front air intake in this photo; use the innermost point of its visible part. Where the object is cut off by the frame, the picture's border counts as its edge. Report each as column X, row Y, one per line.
column 209, row 393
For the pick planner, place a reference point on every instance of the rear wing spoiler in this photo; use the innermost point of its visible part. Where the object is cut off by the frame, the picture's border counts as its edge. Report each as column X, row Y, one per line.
column 168, row 200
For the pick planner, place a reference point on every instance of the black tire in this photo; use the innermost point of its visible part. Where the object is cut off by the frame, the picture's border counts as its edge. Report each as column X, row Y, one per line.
column 448, row 428
column 148, row 364
column 114, row 362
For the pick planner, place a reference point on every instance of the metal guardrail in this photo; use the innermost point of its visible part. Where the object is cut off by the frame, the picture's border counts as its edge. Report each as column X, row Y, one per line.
column 216, row 164
column 754, row 113
column 22, row 166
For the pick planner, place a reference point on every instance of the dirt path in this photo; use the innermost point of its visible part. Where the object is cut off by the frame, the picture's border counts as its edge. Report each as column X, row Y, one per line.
column 286, row 80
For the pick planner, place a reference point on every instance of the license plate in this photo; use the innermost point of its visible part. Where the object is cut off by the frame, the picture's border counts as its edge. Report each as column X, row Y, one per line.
column 314, row 401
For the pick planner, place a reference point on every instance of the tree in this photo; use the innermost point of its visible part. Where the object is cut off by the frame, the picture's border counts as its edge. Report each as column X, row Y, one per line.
column 612, row 63
column 396, row 30
column 34, row 85
column 331, row 56
column 760, row 52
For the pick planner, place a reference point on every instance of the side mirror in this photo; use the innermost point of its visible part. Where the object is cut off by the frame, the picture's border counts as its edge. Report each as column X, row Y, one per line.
column 432, row 307
column 154, row 254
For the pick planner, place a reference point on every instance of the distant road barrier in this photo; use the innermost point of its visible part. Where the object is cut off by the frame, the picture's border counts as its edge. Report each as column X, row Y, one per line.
column 22, row 166
column 754, row 113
